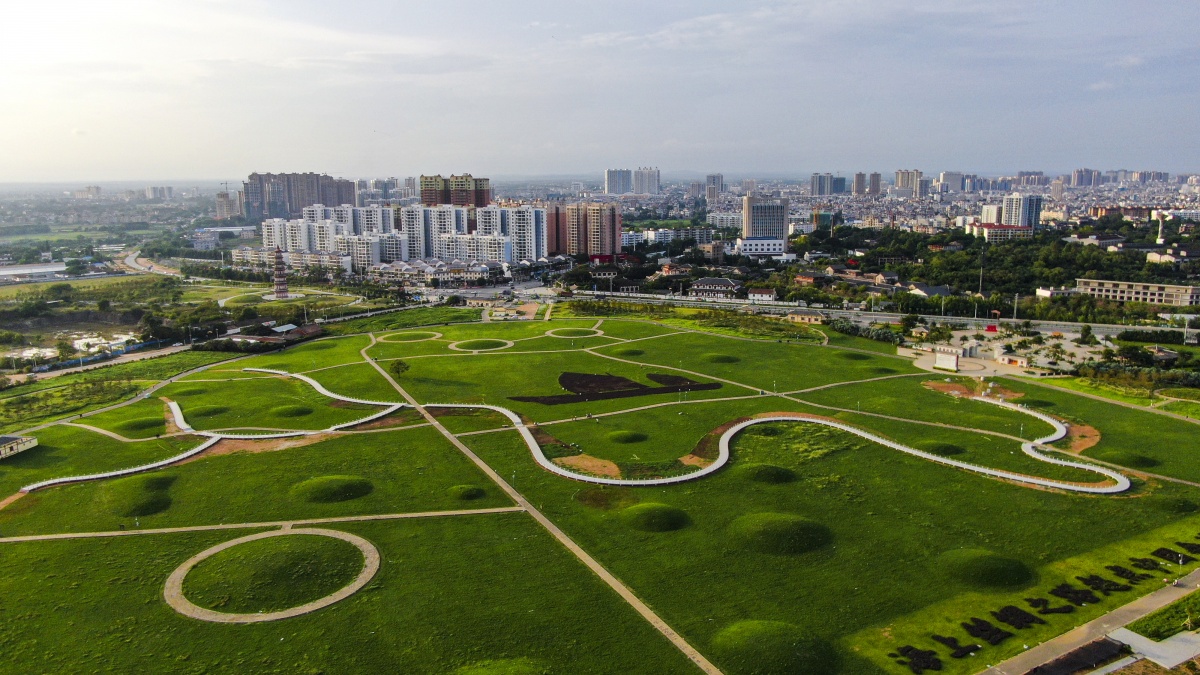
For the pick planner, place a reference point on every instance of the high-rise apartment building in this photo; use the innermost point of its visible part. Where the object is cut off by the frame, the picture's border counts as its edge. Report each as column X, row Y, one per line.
column 874, row 184
column 764, row 217
column 924, row 185
column 821, row 184
column 908, row 179
column 715, row 180
column 593, row 229
column 695, row 189
column 645, row 181
column 229, row 205
column 457, row 190
column 1085, row 178
column 837, row 186
column 749, row 185
column 950, row 181
column 618, row 181
column 284, row 195
column 990, row 214
column 859, row 187
column 1057, row 189
column 1022, row 209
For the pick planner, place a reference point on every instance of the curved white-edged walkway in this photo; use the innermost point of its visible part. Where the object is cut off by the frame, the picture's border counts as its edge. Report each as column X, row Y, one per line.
column 173, row 589
column 123, row 472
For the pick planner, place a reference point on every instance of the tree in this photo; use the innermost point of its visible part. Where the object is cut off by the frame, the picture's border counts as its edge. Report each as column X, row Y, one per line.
column 398, row 368
column 65, row 349
column 1085, row 336
column 909, row 322
column 104, row 305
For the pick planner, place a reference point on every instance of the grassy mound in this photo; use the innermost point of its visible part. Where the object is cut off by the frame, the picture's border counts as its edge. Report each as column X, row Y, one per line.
column 655, row 517
column 1128, row 458
column 520, row 666
column 941, row 449
column 624, row 436
column 269, row 575
column 134, row 496
column 773, row 647
column 291, row 411
column 984, row 569
column 206, row 411
column 719, row 358
column 574, row 332
column 854, row 356
column 415, row 336
column 628, row 351
column 884, row 370
column 765, row 473
column 326, row 489
column 779, row 533
column 466, row 492
column 140, row 424
column 190, row 391
column 476, row 345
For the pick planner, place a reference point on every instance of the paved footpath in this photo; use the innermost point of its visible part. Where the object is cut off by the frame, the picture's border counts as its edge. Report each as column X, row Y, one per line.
column 599, row 570
column 1096, row 628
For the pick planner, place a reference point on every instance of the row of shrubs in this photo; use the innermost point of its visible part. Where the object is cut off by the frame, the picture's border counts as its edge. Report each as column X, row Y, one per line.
column 1134, row 376
column 1166, row 337
column 847, row 327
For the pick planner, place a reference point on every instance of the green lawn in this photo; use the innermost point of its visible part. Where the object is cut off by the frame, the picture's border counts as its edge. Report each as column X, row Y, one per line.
column 631, row 330
column 421, row 316
column 408, row 470
column 311, row 355
column 1185, row 408
column 358, row 380
column 792, row 366
column 450, row 593
column 70, row 451
column 1086, row 386
column 29, row 410
column 891, row 516
column 1129, row 437
column 272, row 403
column 143, row 419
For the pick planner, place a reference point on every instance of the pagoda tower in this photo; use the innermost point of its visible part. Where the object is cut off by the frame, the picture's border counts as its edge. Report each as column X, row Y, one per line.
column 281, row 289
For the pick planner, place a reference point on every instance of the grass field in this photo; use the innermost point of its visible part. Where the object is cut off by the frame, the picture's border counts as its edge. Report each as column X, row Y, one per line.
column 811, row 537
column 1086, row 386
column 450, row 593
column 421, row 316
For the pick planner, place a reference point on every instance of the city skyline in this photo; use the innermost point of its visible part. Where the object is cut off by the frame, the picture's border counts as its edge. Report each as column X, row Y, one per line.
column 134, row 90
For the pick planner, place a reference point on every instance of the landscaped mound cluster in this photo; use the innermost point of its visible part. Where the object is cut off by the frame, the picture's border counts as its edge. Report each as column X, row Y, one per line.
column 466, row 492
column 779, row 533
column 625, row 436
column 765, row 473
column 268, row 575
column 520, row 666
column 291, row 411
column 984, row 569
column 134, row 496
column 655, row 517
column 479, row 345
column 773, row 648
column 720, row 358
column 326, row 489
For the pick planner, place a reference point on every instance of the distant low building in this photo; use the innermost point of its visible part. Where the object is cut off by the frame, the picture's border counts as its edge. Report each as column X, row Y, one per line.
column 809, row 316
column 762, row 295
column 1176, row 295
column 11, row 445
column 1052, row 292
column 714, row 287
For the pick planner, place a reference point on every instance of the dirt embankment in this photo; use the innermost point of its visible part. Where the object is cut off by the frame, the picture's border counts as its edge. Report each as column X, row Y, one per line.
column 590, row 465
column 229, row 446
column 1081, row 437
column 977, row 389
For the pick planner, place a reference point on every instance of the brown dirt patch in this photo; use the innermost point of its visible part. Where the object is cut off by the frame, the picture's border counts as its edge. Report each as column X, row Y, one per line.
column 229, row 446
column 693, row 460
column 590, row 465
column 1081, row 437
column 708, row 448
column 976, row 389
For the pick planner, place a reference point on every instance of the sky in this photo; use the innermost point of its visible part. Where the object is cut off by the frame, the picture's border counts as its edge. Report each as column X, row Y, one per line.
column 125, row 90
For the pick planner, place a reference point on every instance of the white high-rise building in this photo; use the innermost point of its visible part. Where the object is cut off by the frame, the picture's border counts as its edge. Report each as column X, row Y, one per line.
column 991, row 213
column 618, row 181
column 950, row 181
column 645, row 181
column 1023, row 210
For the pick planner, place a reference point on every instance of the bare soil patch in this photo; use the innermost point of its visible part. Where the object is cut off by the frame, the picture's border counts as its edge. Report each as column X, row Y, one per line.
column 10, row 499
column 229, row 446
column 977, row 389
column 400, row 418
column 693, row 460
column 1081, row 437
column 708, row 448
column 590, row 465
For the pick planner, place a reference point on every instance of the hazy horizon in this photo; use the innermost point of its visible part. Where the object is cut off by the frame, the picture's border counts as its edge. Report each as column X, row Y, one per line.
column 117, row 91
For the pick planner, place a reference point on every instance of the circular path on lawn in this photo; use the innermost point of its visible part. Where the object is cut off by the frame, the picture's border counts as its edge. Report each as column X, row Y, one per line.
column 590, row 332
column 173, row 589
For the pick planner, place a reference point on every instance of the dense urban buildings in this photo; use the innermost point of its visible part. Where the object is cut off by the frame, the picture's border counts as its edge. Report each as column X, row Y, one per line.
column 284, row 195
column 457, row 190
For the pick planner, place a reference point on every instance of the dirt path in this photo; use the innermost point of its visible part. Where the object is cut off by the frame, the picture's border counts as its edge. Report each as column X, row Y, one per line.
column 592, row 564
column 246, row 526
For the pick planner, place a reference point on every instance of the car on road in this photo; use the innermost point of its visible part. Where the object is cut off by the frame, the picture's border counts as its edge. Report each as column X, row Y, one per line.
column 177, row 344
